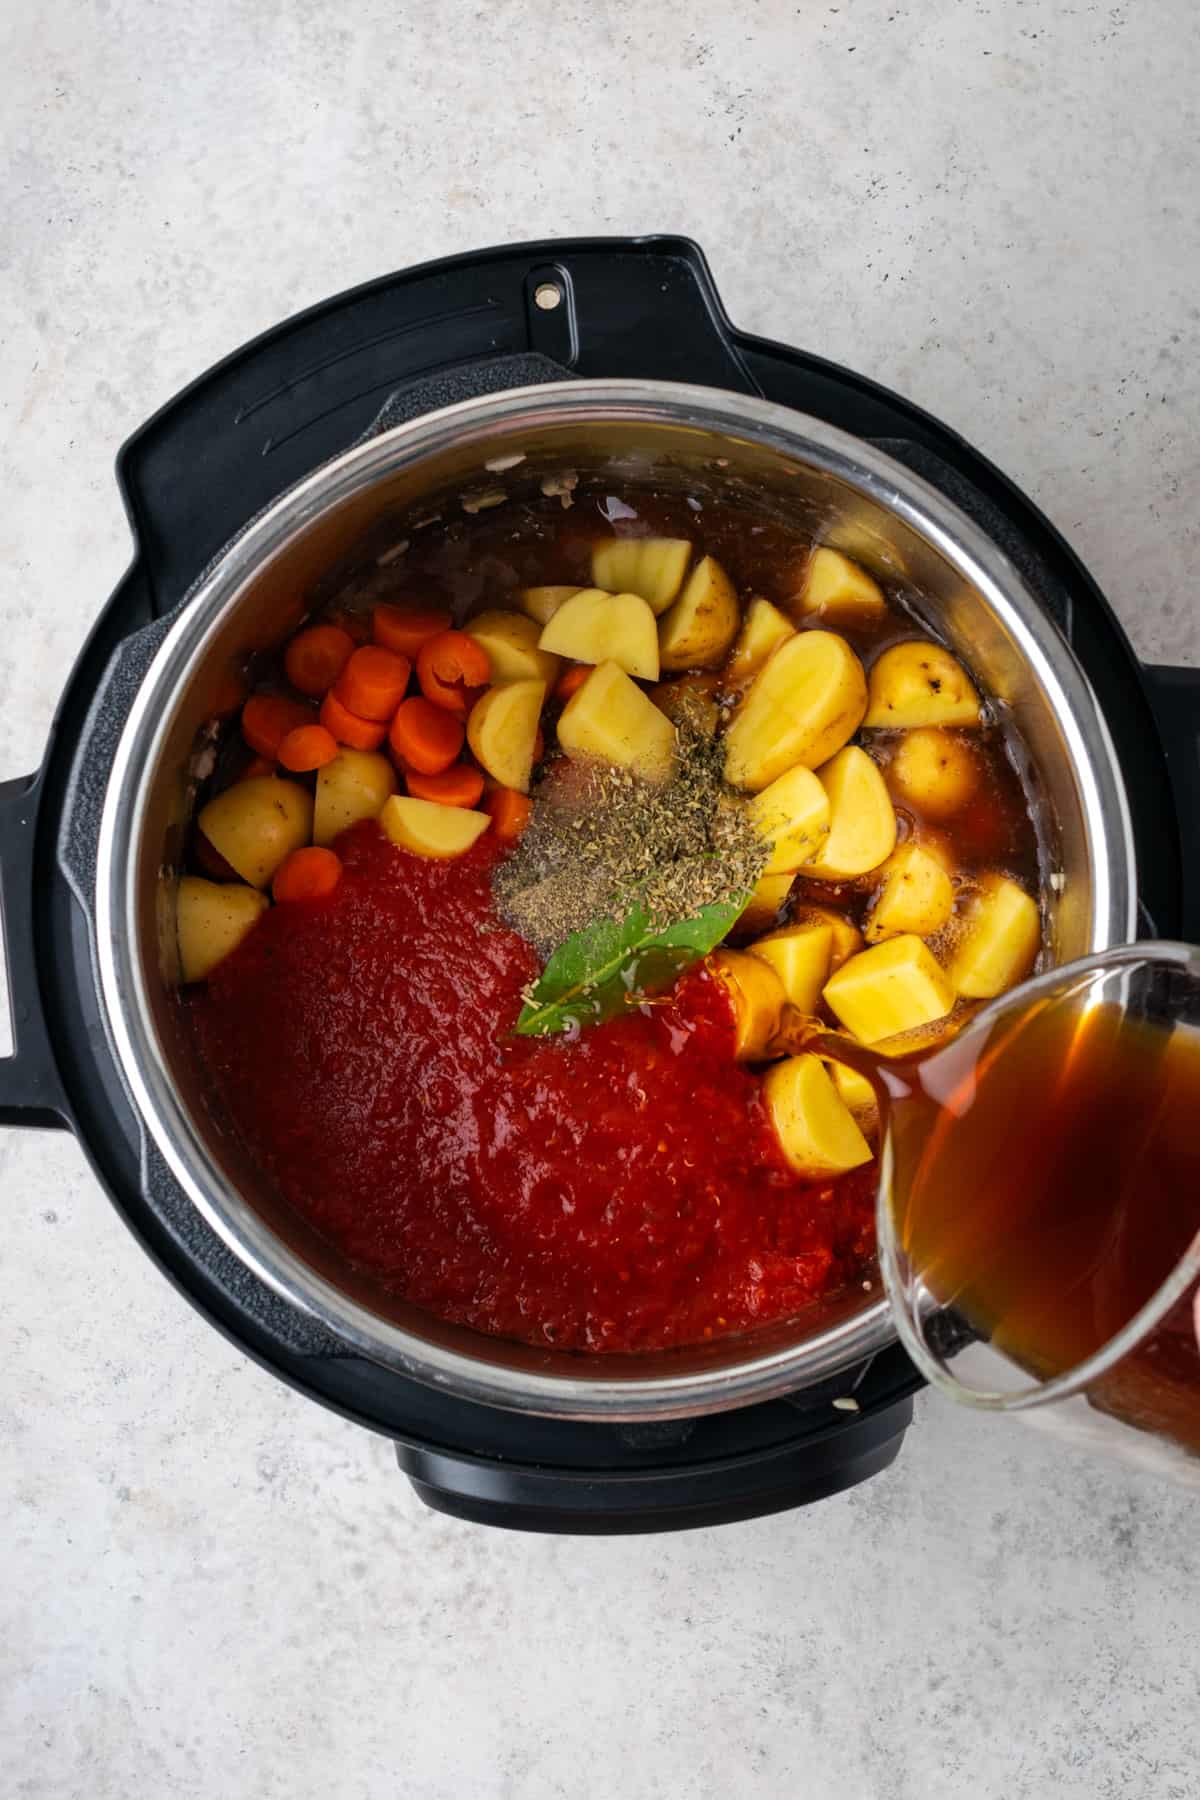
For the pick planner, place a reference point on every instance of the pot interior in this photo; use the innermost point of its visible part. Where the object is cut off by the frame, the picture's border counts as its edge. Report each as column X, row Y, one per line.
column 332, row 532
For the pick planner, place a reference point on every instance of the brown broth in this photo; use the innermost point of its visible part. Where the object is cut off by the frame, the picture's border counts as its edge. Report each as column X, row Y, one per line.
column 1046, row 1184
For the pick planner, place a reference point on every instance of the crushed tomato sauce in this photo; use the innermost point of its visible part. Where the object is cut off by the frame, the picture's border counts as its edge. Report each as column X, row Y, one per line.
column 623, row 1191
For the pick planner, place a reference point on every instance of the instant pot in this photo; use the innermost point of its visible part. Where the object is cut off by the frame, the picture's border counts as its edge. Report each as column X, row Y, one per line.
column 547, row 369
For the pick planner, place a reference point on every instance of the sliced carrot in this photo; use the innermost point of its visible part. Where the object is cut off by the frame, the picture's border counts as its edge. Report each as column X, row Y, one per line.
column 308, row 747
column 425, row 737
column 315, row 658
column 348, row 728
column 510, row 813
column 405, row 628
column 451, row 669
column 211, row 860
column 459, row 785
column 308, row 874
column 372, row 683
column 571, row 680
column 267, row 719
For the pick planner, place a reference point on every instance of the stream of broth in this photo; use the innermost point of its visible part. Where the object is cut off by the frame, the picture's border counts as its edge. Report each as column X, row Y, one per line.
column 1047, row 1182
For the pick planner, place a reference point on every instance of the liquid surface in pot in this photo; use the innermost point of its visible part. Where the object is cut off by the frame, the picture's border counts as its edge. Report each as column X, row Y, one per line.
column 625, row 1164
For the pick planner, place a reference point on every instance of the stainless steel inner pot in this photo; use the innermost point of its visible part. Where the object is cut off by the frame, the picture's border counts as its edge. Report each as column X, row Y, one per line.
column 550, row 439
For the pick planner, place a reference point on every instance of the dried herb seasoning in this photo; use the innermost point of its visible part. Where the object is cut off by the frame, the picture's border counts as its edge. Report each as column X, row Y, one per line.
column 601, row 840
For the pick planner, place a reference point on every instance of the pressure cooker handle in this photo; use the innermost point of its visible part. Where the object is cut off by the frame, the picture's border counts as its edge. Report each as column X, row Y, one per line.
column 31, row 1090
column 1175, row 699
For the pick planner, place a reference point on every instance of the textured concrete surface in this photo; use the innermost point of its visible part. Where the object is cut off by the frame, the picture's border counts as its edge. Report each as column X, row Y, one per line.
column 208, row 1586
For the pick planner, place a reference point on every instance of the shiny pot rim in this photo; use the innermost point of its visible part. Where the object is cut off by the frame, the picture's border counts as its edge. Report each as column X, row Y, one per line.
column 485, row 422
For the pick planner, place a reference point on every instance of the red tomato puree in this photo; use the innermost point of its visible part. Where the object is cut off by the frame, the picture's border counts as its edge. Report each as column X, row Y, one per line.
column 622, row 1191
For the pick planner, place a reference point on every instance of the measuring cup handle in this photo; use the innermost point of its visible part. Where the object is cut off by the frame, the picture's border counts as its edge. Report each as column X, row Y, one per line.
column 1175, row 699
column 31, row 1090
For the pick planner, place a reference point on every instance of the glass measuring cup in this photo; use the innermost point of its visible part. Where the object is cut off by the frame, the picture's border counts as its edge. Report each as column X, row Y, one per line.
column 1038, row 1206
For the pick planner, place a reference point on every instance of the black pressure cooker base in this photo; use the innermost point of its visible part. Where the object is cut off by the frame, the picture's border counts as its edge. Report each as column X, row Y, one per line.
column 194, row 476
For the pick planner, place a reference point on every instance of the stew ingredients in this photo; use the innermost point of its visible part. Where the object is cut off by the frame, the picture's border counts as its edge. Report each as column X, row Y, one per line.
column 569, row 830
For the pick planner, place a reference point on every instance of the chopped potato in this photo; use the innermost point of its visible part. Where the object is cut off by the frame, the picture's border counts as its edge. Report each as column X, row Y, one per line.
column 511, row 642
column 916, row 895
column 690, row 700
column 256, row 823
column 888, row 989
column 934, row 771
column 855, row 1090
column 757, row 996
column 1000, row 941
column 502, row 730
column 937, row 844
column 430, row 828
column 610, row 717
column 770, row 892
column 865, row 544
column 353, row 786
column 698, row 629
column 919, row 683
column 651, row 567
column 836, row 589
column 846, row 940
column 211, row 919
column 862, row 822
column 595, row 627
column 802, row 706
column 800, row 955
column 816, row 1129
column 763, row 630
column 792, row 814
column 541, row 603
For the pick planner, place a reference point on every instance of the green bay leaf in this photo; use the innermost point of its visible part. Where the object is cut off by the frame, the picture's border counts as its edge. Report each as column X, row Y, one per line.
column 596, row 972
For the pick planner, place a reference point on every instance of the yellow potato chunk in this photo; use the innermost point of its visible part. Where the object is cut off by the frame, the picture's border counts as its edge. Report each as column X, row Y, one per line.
column 800, row 955
column 836, row 589
column 211, row 919
column 862, row 822
column 888, row 989
column 791, row 814
column 256, row 823
column 934, row 771
column 353, row 786
column 846, row 940
column 651, row 567
column 430, row 828
column 920, row 684
column 757, row 997
column 541, row 603
column 697, row 631
column 816, row 1129
column 595, row 627
column 916, row 895
column 1001, row 937
column 854, row 1089
column 802, row 706
column 502, row 729
column 511, row 642
column 611, row 718
column 937, row 844
column 763, row 630
column 770, row 892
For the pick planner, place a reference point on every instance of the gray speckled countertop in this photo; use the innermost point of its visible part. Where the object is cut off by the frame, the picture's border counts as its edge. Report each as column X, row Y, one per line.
column 206, row 1584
